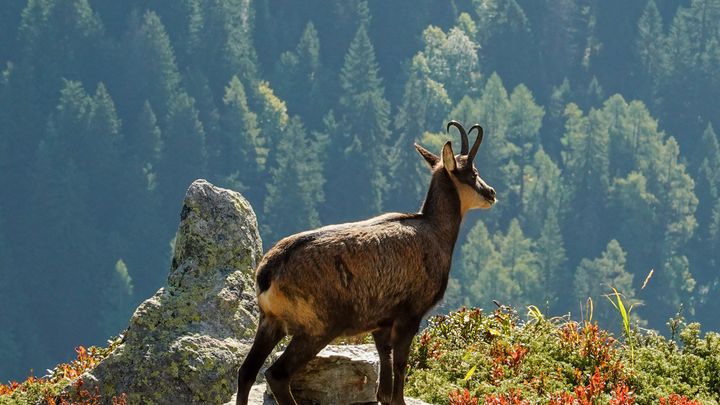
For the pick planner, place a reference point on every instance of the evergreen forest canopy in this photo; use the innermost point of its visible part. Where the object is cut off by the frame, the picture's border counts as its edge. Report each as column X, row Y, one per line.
column 599, row 118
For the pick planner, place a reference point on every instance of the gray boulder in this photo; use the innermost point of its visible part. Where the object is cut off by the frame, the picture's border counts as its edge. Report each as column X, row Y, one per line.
column 185, row 343
column 338, row 375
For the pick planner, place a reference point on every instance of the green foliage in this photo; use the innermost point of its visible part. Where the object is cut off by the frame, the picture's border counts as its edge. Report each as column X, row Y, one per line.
column 108, row 109
column 159, row 81
column 363, row 145
column 295, row 189
column 239, row 147
column 50, row 389
column 595, row 278
column 499, row 357
column 503, row 268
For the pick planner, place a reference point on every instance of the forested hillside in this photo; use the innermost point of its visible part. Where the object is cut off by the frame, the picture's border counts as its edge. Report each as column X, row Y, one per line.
column 599, row 118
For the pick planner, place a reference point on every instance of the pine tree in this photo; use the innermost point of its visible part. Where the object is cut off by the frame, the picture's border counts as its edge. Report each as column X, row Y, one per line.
column 550, row 253
column 594, row 94
column 110, row 177
column 296, row 186
column 708, row 179
column 544, row 193
column 525, row 118
column 630, row 195
column 460, row 54
column 494, row 110
column 238, row 51
column 560, row 97
column 505, row 38
column 183, row 158
column 518, row 282
column 144, row 143
column 596, row 278
column 479, row 261
column 622, row 146
column 503, row 268
column 272, row 119
column 424, row 104
column 238, row 150
column 118, row 293
column 152, row 72
column 299, row 76
column 586, row 166
column 651, row 48
column 362, row 150
column 59, row 36
column 693, row 38
column 524, row 122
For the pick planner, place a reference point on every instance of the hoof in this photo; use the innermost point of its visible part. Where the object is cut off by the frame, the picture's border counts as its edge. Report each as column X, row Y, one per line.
column 384, row 399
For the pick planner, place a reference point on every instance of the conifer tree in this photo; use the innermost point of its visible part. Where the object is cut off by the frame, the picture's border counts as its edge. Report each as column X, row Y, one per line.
column 560, row 97
column 523, row 134
column 296, row 185
column 544, row 193
column 299, row 76
column 152, row 72
column 708, row 179
column 596, row 278
column 183, row 157
column 505, row 38
column 503, row 269
column 363, row 146
column 239, row 150
column 550, row 253
column 144, row 143
column 118, row 293
column 586, row 165
column 272, row 119
column 494, row 106
column 424, row 104
column 651, row 49
column 110, row 178
column 479, row 261
column 522, row 280
column 59, row 36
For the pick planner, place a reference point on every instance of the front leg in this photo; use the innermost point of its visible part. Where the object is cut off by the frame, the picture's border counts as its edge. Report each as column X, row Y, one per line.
column 402, row 336
column 384, row 348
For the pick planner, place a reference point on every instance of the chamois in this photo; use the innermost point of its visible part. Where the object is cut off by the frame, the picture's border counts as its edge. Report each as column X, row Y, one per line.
column 381, row 275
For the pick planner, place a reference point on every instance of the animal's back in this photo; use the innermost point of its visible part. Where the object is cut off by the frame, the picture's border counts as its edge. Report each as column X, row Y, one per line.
column 353, row 276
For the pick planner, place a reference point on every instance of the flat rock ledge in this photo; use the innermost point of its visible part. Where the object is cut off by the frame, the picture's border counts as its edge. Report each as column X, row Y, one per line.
column 338, row 375
column 185, row 344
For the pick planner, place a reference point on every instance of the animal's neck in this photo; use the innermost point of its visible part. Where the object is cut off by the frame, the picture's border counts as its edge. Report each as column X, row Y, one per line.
column 442, row 206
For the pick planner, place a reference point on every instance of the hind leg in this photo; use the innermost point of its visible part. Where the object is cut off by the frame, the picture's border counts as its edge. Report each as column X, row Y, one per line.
column 268, row 335
column 403, row 332
column 384, row 348
column 299, row 352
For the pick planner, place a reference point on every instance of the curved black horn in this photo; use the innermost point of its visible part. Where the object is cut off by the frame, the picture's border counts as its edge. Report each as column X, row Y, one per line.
column 478, row 141
column 463, row 136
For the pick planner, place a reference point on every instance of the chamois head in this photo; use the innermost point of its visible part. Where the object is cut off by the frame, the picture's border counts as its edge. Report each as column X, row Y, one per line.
column 473, row 191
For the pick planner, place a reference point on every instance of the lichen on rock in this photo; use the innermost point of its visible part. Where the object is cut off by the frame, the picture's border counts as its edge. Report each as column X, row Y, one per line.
column 184, row 344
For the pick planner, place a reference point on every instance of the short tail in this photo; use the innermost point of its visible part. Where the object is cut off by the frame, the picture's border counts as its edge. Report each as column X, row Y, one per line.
column 263, row 277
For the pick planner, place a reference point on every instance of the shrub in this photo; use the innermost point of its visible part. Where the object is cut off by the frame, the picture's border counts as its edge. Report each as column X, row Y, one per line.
column 62, row 385
column 498, row 358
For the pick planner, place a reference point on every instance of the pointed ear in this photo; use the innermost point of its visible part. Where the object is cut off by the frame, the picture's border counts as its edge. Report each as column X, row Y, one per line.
column 430, row 158
column 448, row 157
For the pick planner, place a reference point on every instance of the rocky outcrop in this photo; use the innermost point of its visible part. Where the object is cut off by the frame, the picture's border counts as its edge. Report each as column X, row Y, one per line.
column 339, row 375
column 185, row 343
